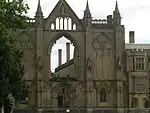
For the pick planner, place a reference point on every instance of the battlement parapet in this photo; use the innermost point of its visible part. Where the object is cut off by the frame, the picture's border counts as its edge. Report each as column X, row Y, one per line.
column 99, row 21
column 31, row 20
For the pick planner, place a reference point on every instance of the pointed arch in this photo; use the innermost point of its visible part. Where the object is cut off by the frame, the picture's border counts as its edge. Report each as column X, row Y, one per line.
column 68, row 89
column 103, row 95
column 74, row 26
column 61, row 23
column 63, row 7
column 69, row 24
column 57, row 23
column 52, row 26
column 61, row 98
column 68, row 36
column 65, row 24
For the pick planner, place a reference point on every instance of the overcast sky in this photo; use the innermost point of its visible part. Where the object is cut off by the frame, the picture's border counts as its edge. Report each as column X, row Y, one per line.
column 135, row 13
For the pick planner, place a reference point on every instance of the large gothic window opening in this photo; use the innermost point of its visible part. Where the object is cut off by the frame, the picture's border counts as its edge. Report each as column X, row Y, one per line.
column 62, row 52
column 103, row 95
column 63, row 23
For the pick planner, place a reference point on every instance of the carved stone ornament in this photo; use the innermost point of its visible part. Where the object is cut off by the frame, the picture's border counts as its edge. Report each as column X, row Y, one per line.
column 69, row 89
column 101, row 44
column 39, row 85
column 98, row 44
column 120, row 87
column 81, row 85
column 107, row 86
column 47, row 85
column 90, row 86
column 26, row 44
column 95, row 85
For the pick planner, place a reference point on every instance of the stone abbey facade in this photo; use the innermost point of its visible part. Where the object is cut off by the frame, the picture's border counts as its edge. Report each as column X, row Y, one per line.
column 104, row 72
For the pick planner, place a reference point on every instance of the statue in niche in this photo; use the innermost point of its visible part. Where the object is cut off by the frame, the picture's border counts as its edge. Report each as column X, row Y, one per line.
column 40, row 63
column 89, row 64
column 119, row 63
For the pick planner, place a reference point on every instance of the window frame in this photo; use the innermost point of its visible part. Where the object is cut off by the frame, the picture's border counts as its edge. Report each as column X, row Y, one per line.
column 139, row 64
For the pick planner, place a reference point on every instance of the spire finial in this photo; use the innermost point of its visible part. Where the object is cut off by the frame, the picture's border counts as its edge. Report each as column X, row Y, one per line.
column 87, row 13
column 39, row 9
column 116, row 7
column 87, row 6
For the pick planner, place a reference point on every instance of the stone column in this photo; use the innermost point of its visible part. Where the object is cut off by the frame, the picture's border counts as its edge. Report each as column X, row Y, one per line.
column 67, row 51
column 59, row 57
column 131, row 37
column 40, row 110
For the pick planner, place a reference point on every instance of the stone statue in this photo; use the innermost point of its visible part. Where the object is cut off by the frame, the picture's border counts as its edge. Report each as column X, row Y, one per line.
column 40, row 63
column 89, row 64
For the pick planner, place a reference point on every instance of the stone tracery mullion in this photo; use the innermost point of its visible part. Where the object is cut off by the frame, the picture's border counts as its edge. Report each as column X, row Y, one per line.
column 59, row 22
column 63, row 23
column 72, row 25
column 55, row 25
column 67, row 23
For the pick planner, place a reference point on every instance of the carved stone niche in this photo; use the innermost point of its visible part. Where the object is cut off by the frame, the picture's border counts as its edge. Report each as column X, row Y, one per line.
column 89, row 64
column 40, row 65
column 90, row 86
column 30, row 86
column 107, row 86
column 101, row 43
column 26, row 44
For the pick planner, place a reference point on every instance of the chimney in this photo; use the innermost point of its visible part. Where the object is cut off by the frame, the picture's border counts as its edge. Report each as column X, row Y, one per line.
column 59, row 57
column 131, row 37
column 109, row 19
column 67, row 51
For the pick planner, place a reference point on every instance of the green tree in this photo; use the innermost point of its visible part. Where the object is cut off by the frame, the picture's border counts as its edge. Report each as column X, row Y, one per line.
column 12, row 16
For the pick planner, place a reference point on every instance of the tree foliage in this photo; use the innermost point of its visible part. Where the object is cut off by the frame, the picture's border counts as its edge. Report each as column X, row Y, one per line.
column 12, row 16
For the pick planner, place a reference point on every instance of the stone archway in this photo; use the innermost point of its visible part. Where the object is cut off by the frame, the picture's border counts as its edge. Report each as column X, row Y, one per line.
column 73, row 41
column 68, row 36
column 65, row 89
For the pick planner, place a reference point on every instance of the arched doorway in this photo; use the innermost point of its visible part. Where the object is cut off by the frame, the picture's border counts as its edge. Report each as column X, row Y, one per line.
column 61, row 98
column 66, row 92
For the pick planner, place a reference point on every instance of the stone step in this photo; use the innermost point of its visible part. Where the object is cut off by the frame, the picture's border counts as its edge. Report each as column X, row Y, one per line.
column 23, row 111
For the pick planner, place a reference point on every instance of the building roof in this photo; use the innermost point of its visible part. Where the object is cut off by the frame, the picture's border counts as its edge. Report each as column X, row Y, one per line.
column 137, row 46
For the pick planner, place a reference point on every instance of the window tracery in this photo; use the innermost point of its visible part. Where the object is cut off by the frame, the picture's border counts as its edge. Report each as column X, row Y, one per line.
column 63, row 23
